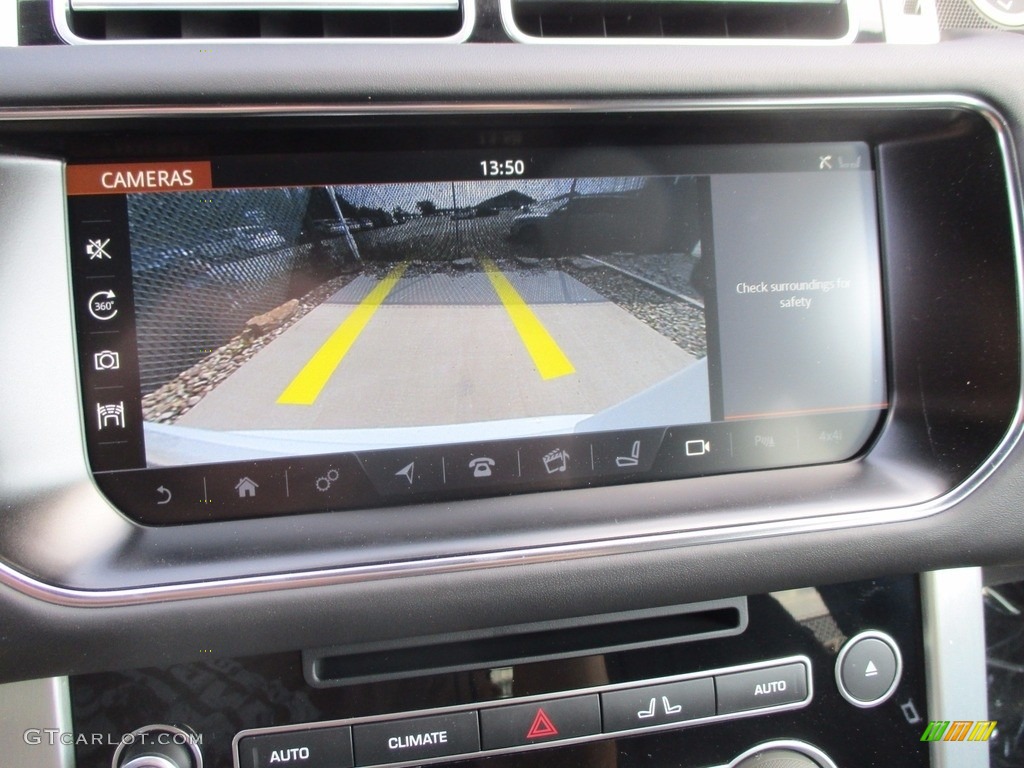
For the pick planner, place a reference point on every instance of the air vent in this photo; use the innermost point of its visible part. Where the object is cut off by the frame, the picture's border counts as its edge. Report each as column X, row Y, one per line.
column 683, row 20
column 205, row 20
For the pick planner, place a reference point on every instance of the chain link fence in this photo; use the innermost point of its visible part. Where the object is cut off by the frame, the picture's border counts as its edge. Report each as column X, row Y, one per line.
column 203, row 263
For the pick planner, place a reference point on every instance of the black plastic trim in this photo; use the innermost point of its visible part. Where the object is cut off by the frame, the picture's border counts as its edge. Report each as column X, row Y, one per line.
column 344, row 665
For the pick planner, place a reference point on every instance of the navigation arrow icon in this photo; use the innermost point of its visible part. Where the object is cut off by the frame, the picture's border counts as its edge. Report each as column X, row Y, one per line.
column 407, row 471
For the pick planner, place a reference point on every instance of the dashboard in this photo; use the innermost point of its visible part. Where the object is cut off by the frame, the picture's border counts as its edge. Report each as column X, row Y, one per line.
column 500, row 383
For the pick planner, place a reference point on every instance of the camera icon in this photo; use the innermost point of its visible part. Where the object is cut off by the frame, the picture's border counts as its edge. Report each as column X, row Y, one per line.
column 106, row 360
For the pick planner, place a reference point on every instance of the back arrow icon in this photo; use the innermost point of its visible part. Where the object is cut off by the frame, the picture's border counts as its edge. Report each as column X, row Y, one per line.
column 166, row 493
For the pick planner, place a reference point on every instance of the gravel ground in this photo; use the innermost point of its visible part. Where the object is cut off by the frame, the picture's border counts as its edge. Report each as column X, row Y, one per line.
column 175, row 398
column 669, row 269
column 676, row 320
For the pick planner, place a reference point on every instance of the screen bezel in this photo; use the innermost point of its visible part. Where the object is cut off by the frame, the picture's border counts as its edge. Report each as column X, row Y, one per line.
column 918, row 466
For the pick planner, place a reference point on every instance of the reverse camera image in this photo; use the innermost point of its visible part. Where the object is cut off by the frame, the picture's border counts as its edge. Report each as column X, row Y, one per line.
column 279, row 322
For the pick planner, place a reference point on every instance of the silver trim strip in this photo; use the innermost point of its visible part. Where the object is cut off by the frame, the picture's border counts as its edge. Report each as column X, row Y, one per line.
column 540, row 106
column 61, row 9
column 517, row 35
column 35, row 714
column 264, row 5
column 542, row 698
column 954, row 644
column 79, row 472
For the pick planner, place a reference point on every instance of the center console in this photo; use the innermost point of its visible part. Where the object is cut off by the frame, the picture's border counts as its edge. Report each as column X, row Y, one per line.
column 799, row 675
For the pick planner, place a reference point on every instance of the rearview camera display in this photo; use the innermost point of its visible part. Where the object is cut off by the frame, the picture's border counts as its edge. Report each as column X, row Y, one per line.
column 346, row 318
column 316, row 332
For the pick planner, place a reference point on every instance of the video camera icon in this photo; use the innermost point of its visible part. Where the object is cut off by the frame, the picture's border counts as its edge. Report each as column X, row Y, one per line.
column 698, row 447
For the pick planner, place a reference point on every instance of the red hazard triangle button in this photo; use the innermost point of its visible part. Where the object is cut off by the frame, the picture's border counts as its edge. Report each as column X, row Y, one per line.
column 542, row 726
column 516, row 725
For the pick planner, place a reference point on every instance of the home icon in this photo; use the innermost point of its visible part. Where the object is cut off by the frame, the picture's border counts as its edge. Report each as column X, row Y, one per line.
column 246, row 487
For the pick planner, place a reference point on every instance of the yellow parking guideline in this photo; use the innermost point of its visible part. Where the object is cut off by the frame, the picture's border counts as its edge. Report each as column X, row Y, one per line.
column 551, row 362
column 305, row 388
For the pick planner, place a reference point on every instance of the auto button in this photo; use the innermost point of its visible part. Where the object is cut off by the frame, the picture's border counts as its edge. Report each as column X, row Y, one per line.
column 312, row 748
column 761, row 688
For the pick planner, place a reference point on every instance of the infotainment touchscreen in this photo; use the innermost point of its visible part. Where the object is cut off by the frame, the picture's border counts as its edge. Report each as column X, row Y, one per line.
column 268, row 334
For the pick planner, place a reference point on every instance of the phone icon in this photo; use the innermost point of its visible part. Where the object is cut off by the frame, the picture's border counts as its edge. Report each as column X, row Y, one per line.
column 482, row 466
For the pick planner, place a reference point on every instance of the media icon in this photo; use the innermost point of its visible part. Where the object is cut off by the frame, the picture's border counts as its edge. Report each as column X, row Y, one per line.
column 556, row 461
column 97, row 249
column 106, row 360
column 110, row 415
column 632, row 460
